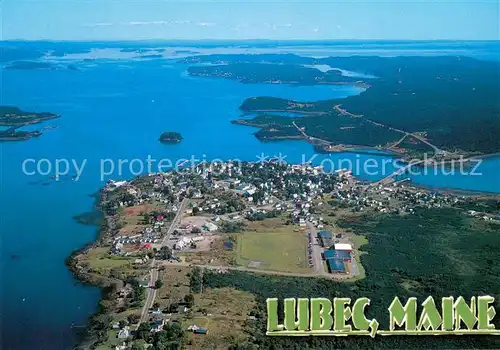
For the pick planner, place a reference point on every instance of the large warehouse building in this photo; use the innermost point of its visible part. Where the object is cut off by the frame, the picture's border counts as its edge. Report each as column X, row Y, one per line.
column 336, row 260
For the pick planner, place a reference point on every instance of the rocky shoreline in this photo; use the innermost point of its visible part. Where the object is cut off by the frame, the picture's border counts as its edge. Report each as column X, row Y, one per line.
column 83, row 274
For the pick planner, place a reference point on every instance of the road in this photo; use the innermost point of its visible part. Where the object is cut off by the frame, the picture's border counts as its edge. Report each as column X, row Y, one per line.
column 174, row 222
column 151, row 293
column 313, row 140
column 153, row 272
column 388, row 178
column 316, row 251
column 420, row 138
column 397, row 142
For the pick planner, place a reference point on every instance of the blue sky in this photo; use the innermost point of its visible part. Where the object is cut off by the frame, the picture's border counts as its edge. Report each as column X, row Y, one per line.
column 131, row 20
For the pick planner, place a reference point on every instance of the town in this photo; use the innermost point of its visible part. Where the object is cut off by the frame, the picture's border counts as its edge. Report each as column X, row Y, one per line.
column 268, row 218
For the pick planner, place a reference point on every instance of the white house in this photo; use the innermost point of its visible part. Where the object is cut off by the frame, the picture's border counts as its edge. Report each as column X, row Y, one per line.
column 123, row 333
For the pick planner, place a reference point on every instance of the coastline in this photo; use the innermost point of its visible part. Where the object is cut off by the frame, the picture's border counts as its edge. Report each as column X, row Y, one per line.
column 108, row 285
column 105, row 285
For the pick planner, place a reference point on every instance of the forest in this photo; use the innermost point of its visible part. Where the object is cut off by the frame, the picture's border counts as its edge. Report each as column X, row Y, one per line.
column 452, row 99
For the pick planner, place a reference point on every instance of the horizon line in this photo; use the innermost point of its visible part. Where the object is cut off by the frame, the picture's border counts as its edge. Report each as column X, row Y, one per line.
column 241, row 40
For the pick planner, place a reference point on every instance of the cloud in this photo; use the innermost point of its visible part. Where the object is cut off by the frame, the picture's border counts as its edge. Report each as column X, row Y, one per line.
column 240, row 26
column 181, row 22
column 206, row 24
column 316, row 30
column 276, row 26
column 140, row 23
column 99, row 24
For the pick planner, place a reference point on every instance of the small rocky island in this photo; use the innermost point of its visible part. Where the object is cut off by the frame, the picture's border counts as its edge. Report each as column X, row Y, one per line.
column 15, row 118
column 170, row 137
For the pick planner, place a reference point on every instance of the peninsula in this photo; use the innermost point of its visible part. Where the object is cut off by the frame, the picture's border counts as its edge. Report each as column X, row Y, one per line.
column 188, row 258
column 445, row 106
column 15, row 118
column 170, row 137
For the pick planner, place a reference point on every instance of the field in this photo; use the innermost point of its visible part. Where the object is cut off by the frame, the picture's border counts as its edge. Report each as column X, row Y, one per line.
column 223, row 311
column 99, row 259
column 210, row 252
column 277, row 249
column 175, row 287
column 132, row 217
column 226, row 312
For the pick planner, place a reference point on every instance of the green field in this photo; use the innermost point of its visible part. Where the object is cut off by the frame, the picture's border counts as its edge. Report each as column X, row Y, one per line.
column 99, row 258
column 279, row 250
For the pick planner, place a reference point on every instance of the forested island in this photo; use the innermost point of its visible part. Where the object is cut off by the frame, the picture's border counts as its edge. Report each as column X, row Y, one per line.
column 255, row 73
column 444, row 104
column 13, row 135
column 170, row 137
column 15, row 118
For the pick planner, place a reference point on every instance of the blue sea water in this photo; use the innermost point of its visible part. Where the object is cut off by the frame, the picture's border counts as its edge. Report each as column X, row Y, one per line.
column 115, row 110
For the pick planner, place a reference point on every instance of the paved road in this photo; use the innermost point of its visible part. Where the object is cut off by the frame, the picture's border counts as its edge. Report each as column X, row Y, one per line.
column 153, row 272
column 151, row 293
column 174, row 222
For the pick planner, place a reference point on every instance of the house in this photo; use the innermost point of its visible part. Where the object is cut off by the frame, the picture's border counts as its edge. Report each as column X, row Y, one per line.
column 156, row 311
column 157, row 325
column 180, row 244
column 124, row 333
column 144, row 284
column 182, row 309
column 200, row 331
column 210, row 227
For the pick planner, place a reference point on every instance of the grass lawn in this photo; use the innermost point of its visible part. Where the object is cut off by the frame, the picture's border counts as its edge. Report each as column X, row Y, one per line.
column 112, row 341
column 279, row 250
column 99, row 258
column 358, row 240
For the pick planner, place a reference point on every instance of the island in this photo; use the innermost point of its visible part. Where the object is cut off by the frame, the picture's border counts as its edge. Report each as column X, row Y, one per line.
column 169, row 137
column 13, row 135
column 38, row 65
column 15, row 118
column 187, row 258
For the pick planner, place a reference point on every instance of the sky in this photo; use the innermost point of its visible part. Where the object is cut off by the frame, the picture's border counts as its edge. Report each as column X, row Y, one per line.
column 257, row 19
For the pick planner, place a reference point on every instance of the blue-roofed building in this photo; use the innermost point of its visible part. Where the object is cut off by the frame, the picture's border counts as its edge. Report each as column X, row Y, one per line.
column 326, row 238
column 325, row 234
column 335, row 265
column 200, row 331
column 337, row 254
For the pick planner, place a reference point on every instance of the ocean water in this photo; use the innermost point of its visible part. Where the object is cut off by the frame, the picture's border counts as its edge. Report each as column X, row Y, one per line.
column 113, row 111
